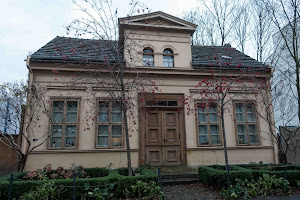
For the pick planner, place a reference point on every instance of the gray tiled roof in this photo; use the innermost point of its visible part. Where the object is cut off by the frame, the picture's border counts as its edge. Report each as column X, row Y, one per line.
column 212, row 56
column 64, row 49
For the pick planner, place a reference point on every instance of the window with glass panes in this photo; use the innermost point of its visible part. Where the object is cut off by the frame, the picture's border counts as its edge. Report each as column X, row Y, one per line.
column 246, row 123
column 110, row 125
column 208, row 124
column 148, row 57
column 64, row 124
column 168, row 58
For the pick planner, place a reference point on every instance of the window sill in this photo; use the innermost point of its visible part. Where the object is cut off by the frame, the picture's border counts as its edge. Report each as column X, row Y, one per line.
column 50, row 151
column 229, row 148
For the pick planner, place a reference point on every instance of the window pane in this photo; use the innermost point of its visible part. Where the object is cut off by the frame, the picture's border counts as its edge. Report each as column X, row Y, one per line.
column 250, row 113
column 213, row 117
column 71, row 131
column 103, row 106
column 72, row 106
column 213, row 108
column 241, row 129
column 252, row 129
column 70, row 142
column 214, row 130
column 58, row 106
column 243, row 139
column 203, row 130
column 103, row 141
column 168, row 61
column 240, row 112
column 116, row 117
column 56, row 134
column 203, row 139
column 56, row 130
column 202, row 117
column 215, row 139
column 148, row 60
column 172, row 103
column 103, row 115
column 116, row 130
column 117, row 113
column 253, row 133
column 162, row 103
column 58, row 111
column 103, row 130
column 71, row 111
column 55, row 142
column 116, row 141
column 242, row 134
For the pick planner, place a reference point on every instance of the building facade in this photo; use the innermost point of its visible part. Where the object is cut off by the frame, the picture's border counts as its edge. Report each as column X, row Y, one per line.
column 168, row 126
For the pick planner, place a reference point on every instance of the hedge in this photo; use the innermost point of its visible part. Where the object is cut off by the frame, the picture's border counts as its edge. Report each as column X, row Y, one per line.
column 216, row 175
column 121, row 183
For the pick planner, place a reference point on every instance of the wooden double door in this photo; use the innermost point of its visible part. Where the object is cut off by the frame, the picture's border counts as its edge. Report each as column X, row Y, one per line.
column 163, row 138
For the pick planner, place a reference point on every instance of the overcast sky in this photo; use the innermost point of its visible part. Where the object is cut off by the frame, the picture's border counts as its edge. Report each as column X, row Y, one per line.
column 27, row 25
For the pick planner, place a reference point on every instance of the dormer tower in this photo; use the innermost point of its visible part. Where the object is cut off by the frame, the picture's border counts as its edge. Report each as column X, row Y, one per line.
column 157, row 40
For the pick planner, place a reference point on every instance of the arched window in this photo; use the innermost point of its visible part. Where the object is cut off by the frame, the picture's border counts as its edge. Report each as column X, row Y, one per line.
column 148, row 57
column 168, row 58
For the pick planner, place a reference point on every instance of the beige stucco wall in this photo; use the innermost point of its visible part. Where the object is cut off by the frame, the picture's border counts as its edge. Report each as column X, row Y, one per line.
column 87, row 155
column 158, row 40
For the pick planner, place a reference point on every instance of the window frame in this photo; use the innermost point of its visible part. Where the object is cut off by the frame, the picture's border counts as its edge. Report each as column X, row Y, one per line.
column 64, row 124
column 109, row 124
column 148, row 54
column 169, row 55
column 208, row 124
column 246, row 123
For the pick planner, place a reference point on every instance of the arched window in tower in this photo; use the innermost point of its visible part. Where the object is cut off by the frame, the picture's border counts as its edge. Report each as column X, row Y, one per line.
column 168, row 58
column 148, row 57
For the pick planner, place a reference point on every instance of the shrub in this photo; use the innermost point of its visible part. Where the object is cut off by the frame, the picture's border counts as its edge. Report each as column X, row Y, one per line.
column 46, row 191
column 264, row 186
column 121, row 183
column 218, row 177
column 60, row 173
column 143, row 190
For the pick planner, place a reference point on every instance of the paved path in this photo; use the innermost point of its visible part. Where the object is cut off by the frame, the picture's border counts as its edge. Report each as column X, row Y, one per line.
column 194, row 191
column 198, row 191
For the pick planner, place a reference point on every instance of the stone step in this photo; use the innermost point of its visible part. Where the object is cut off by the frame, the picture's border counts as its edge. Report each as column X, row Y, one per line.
column 179, row 181
column 178, row 176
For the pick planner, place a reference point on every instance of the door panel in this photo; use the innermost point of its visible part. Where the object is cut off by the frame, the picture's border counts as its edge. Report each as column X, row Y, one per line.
column 162, row 145
column 154, row 156
column 153, row 134
column 172, row 156
column 171, row 128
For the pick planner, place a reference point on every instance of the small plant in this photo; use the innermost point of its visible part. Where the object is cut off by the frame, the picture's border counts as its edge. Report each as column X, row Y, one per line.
column 146, row 166
column 45, row 192
column 99, row 193
column 142, row 190
column 60, row 173
column 264, row 186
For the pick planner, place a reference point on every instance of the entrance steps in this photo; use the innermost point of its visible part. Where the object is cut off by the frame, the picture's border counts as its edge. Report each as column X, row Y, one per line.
column 179, row 175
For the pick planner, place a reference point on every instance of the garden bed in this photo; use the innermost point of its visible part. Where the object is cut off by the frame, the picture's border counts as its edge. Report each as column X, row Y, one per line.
column 99, row 177
column 216, row 175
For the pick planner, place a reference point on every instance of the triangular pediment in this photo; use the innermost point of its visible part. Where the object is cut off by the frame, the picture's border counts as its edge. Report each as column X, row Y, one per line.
column 158, row 19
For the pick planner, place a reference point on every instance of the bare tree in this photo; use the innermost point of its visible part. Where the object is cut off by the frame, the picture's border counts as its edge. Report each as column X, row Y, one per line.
column 285, row 16
column 117, row 75
column 225, row 16
column 14, row 109
column 262, row 30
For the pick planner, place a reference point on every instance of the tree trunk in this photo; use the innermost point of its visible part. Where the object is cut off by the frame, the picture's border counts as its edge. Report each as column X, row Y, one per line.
column 225, row 145
column 22, row 162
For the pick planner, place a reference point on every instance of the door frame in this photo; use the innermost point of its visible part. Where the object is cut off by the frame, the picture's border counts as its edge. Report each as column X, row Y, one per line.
column 142, row 121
